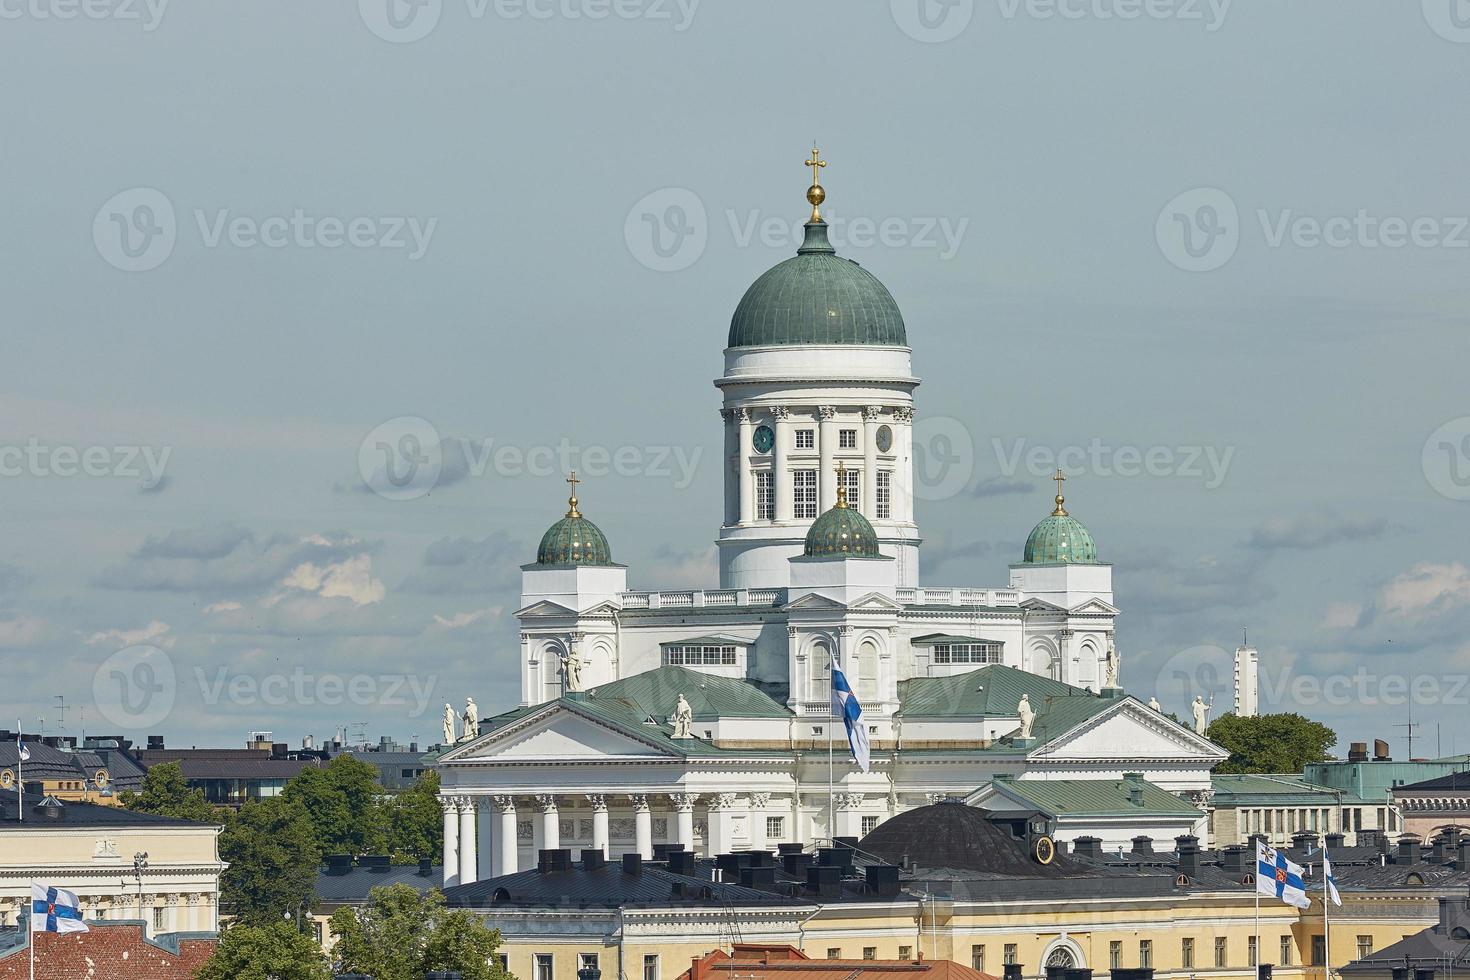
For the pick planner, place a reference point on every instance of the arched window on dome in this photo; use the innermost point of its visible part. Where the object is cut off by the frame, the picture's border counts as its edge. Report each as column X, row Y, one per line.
column 867, row 688
column 819, row 671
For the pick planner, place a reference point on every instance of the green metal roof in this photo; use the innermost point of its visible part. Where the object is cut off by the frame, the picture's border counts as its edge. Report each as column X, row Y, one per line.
column 1060, row 538
column 842, row 532
column 1234, row 789
column 573, row 541
column 817, row 297
column 932, row 638
column 994, row 690
column 656, row 692
column 1094, row 797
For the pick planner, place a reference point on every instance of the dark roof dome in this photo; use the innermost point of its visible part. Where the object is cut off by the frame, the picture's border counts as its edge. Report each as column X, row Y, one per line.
column 817, row 297
column 841, row 532
column 958, row 837
column 573, row 540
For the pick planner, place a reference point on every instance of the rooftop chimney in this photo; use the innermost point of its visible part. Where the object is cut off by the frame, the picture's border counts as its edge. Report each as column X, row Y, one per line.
column 1358, row 752
column 1380, row 751
column 1187, row 846
column 1143, row 845
column 1409, row 850
column 633, row 864
column 1088, row 847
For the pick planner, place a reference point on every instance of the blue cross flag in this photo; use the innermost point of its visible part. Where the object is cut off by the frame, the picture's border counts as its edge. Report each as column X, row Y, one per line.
column 55, row 910
column 1280, row 878
column 845, row 706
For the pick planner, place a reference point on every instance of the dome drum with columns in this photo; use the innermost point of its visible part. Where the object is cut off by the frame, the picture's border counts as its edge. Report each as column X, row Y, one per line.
column 702, row 716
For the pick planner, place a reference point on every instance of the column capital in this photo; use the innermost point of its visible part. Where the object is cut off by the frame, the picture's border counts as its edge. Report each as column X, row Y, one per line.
column 903, row 413
column 684, row 802
column 871, row 413
column 722, row 801
column 546, row 802
column 597, row 801
column 826, row 412
column 758, row 801
column 728, row 414
column 849, row 801
column 449, row 804
column 505, row 804
column 780, row 412
column 743, row 414
column 639, row 801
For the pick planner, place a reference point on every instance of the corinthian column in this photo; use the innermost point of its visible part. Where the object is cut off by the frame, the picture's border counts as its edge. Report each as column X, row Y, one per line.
column 468, row 841
column 684, row 807
column 642, row 826
column 599, row 822
column 550, row 822
column 506, row 835
column 451, row 840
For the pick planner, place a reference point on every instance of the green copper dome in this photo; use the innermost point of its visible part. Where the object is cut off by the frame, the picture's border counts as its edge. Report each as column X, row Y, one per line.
column 817, row 298
column 573, row 540
column 1060, row 537
column 841, row 532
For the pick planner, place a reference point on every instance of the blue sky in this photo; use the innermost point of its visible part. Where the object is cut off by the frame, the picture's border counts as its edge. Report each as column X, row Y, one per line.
column 1211, row 256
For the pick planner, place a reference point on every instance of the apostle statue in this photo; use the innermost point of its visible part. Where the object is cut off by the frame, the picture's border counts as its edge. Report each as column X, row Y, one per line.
column 471, row 719
column 448, row 723
column 1201, row 714
column 571, row 670
column 1154, row 704
column 683, row 719
column 1110, row 666
column 1027, row 715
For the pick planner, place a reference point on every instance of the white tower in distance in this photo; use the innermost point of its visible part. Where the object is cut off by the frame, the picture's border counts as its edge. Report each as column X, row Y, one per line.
column 1247, row 670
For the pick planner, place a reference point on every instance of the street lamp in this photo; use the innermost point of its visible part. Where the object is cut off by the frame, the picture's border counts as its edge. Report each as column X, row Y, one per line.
column 140, row 862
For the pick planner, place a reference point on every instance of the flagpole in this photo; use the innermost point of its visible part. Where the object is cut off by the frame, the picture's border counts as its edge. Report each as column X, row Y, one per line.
column 832, row 713
column 1326, row 926
column 20, row 774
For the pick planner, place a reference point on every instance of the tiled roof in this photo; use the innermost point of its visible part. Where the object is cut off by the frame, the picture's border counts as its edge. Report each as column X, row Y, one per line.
column 80, row 815
column 710, row 697
column 355, row 885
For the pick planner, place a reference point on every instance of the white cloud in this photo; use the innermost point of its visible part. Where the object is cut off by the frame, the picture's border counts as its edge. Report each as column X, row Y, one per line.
column 463, row 619
column 350, row 579
column 156, row 633
column 1342, row 615
column 1427, row 589
column 23, row 631
column 221, row 607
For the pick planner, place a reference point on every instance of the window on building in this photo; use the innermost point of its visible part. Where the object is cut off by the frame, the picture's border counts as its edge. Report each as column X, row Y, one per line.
column 1365, row 946
column 1115, row 955
column 905, row 952
column 870, row 952
column 804, row 494
column 852, row 482
column 847, row 438
column 695, row 655
column 316, row 931
column 1252, row 955
column 1010, row 954
column 1146, row 953
column 775, row 828
column 834, row 952
column 1186, row 952
column 586, row 961
column 765, row 496
column 1285, row 951
column 883, row 491
column 870, row 824
column 543, row 967
column 966, row 653
column 1222, row 955
column 159, row 922
column 977, row 957
column 1319, row 950
column 504, row 960
column 806, row 438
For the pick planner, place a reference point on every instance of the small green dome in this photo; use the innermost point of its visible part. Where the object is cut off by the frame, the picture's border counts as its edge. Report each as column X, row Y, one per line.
column 573, row 540
column 843, row 532
column 817, row 297
column 1060, row 538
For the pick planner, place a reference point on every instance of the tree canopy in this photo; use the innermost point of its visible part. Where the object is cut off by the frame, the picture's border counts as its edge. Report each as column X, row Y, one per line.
column 274, row 861
column 166, row 793
column 1270, row 743
column 273, row 952
column 401, row 935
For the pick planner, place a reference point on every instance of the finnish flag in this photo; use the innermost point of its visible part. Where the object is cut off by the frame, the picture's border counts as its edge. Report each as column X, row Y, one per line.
column 1280, row 878
column 1330, row 882
column 845, row 706
column 55, row 910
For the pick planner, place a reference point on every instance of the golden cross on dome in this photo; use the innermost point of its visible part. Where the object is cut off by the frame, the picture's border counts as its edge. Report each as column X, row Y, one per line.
column 1060, row 511
column 572, row 500
column 815, row 194
column 841, row 484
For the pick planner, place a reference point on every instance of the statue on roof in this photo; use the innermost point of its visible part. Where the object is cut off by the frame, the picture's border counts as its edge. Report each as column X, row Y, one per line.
column 1154, row 704
column 1110, row 665
column 571, row 670
column 471, row 719
column 1201, row 714
column 449, row 720
column 1027, row 715
column 683, row 719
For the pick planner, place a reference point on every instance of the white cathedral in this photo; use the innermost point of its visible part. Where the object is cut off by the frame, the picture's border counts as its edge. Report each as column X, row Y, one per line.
column 702, row 717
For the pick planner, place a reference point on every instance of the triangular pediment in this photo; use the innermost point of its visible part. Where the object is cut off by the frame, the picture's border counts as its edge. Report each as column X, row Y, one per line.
column 1129, row 731
column 872, row 602
column 1041, row 605
column 545, row 609
column 876, row 601
column 1093, row 607
column 557, row 734
column 813, row 601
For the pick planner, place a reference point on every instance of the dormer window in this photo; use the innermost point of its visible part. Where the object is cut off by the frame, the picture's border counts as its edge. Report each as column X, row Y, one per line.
column 700, row 655
column 967, row 653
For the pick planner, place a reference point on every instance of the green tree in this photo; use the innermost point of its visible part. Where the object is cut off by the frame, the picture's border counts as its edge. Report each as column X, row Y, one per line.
column 400, row 935
column 1270, row 743
column 342, row 801
column 274, row 952
column 415, row 822
column 166, row 793
column 274, row 862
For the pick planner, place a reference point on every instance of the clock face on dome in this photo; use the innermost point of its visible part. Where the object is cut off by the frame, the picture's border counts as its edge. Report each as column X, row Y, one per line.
column 885, row 438
column 763, row 439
